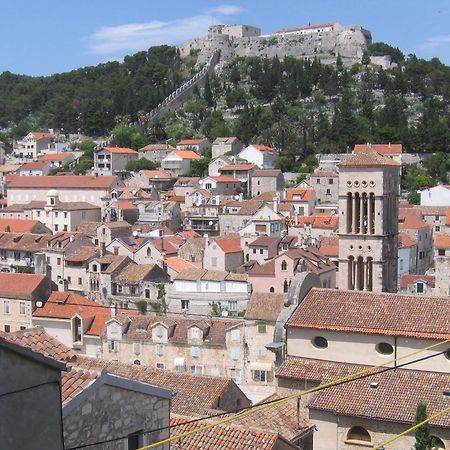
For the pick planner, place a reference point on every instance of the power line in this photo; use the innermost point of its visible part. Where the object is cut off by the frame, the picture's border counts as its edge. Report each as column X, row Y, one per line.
column 356, row 376
column 28, row 388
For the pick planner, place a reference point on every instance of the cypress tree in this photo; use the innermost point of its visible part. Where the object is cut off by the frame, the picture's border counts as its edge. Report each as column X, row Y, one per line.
column 422, row 434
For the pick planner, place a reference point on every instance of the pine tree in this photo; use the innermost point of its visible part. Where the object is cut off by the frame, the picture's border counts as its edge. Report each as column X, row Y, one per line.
column 422, row 434
column 207, row 94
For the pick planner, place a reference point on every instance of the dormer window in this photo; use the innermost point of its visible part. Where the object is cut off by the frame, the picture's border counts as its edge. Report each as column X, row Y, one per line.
column 76, row 329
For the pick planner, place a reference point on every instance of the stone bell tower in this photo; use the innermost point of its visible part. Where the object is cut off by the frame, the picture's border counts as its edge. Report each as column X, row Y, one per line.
column 369, row 185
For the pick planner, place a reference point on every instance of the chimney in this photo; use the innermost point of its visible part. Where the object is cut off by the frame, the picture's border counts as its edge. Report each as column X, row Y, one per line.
column 102, row 249
column 113, row 310
column 275, row 205
column 241, row 197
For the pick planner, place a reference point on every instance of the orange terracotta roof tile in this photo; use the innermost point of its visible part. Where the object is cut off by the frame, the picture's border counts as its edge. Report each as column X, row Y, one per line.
column 69, row 181
column 442, row 242
column 327, row 221
column 320, row 173
column 237, row 167
column 178, row 264
column 382, row 149
column 266, row 173
column 39, row 341
column 373, row 313
column 126, row 205
column 300, row 195
column 20, row 285
column 34, row 165
column 263, row 148
column 369, row 158
column 156, row 174
column 38, row 135
column 157, row 147
column 409, row 279
column 187, row 154
column 21, row 225
column 192, row 141
column 120, row 150
column 405, row 241
column 75, row 381
column 83, row 254
column 232, row 245
column 225, row 179
column 56, row 156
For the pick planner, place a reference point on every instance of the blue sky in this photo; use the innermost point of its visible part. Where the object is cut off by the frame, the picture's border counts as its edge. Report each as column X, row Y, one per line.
column 40, row 37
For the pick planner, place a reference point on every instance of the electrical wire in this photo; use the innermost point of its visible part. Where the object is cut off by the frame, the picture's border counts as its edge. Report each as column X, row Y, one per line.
column 414, row 427
column 28, row 388
column 243, row 412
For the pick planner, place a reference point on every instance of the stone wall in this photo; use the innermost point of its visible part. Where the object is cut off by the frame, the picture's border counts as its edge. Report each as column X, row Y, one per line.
column 111, row 412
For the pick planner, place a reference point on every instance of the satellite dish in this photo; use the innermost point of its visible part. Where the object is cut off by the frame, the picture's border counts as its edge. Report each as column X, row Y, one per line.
column 135, row 233
column 225, row 313
column 236, row 197
column 210, row 222
column 39, row 304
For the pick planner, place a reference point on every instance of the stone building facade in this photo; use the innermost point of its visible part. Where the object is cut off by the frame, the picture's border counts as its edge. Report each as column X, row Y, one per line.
column 368, row 222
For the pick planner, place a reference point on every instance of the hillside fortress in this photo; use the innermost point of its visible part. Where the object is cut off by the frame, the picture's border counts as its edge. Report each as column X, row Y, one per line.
column 324, row 41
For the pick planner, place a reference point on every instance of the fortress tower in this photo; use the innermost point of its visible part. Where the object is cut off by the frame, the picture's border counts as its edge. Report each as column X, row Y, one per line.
column 368, row 222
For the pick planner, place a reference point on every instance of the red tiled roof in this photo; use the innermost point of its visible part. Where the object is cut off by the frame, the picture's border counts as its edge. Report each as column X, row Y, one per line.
column 266, row 173
column 408, row 279
column 225, row 179
column 328, row 221
column 374, row 313
column 19, row 285
column 178, row 264
column 20, row 225
column 320, row 173
column 187, row 154
column 329, row 245
column 382, row 149
column 65, row 305
column 126, row 204
column 75, row 381
column 157, row 147
column 39, row 341
column 84, row 253
column 192, row 141
column 263, row 148
column 120, row 150
column 237, row 167
column 299, row 195
column 411, row 219
column 224, row 437
column 38, row 135
column 56, row 156
column 34, row 165
column 405, row 241
column 69, row 181
column 369, row 158
column 232, row 245
column 156, row 174
column 442, row 242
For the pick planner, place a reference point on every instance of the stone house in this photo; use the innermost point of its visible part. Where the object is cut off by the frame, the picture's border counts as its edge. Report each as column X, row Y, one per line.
column 260, row 320
column 33, row 144
column 309, row 229
column 23, row 250
column 193, row 251
column 226, row 145
column 19, row 293
column 24, row 410
column 260, row 155
column 333, row 333
column 393, row 151
column 242, row 172
column 237, row 214
column 325, row 185
column 103, row 233
column 264, row 248
column 407, row 254
column 275, row 276
column 221, row 185
column 185, row 185
column 215, row 166
column 417, row 284
column 75, row 276
column 208, row 346
column 109, row 160
column 442, row 265
column 156, row 152
column 199, row 146
column 71, row 188
column 267, row 180
column 436, row 216
column 58, row 160
column 223, row 254
column 195, row 290
column 34, row 169
column 265, row 222
column 154, row 179
column 137, row 282
column 178, row 162
column 303, row 199
column 160, row 214
column 175, row 264
column 143, row 406
column 75, row 320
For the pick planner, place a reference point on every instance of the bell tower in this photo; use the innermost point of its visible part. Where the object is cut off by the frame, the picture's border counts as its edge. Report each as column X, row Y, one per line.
column 369, row 185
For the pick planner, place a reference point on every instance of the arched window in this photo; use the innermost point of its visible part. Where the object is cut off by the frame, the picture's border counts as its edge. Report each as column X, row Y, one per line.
column 358, row 434
column 76, row 329
column 285, row 286
column 272, row 289
column 283, row 265
column 149, row 252
column 136, row 362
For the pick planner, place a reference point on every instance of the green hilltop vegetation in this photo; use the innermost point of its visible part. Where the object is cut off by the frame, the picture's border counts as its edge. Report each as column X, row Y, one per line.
column 300, row 106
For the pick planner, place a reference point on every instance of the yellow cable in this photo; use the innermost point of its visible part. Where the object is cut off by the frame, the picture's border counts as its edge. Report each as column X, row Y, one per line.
column 291, row 397
column 414, row 427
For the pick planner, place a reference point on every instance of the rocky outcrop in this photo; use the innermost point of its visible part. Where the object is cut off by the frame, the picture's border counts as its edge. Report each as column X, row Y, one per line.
column 350, row 42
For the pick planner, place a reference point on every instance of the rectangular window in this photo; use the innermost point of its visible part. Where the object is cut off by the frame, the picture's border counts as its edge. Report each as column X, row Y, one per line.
column 113, row 346
column 235, row 335
column 235, row 353
column 160, row 365
column 213, row 261
column 235, row 374
column 261, row 251
column 215, row 372
column 260, row 376
column 196, row 369
column 254, row 251
column 184, row 305
column 232, row 305
column 159, row 349
column 56, row 213
column 318, row 181
column 69, row 280
column 195, row 333
column 80, row 281
column 65, row 227
column 7, row 328
column 147, row 293
column 262, row 327
column 6, row 307
column 65, row 215
column 22, row 308
column 58, row 261
column 56, row 227
column 133, row 290
column 437, row 228
column 22, row 327
column 195, row 352
column 419, row 287
column 441, row 252
column 136, row 348
column 330, row 181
